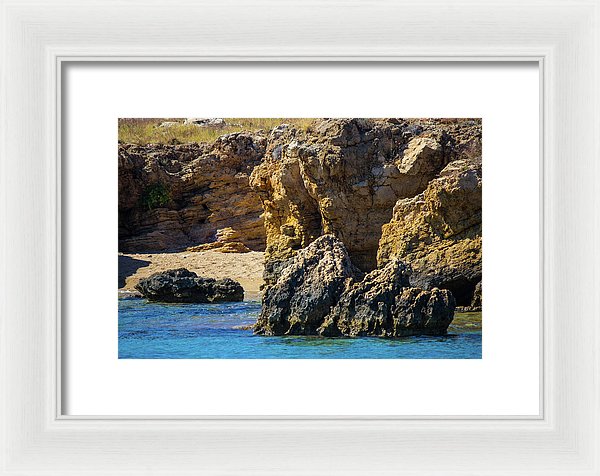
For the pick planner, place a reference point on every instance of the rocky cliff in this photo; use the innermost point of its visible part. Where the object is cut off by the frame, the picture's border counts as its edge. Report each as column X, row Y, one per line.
column 439, row 232
column 346, row 177
column 390, row 190
column 175, row 196
column 342, row 178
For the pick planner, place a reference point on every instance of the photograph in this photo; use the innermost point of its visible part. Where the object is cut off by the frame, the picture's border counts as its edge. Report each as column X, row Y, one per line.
column 300, row 286
column 300, row 238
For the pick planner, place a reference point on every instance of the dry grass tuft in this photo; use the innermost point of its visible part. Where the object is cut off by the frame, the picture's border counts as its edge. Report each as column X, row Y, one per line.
column 148, row 131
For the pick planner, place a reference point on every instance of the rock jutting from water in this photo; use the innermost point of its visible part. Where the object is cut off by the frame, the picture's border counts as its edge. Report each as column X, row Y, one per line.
column 383, row 304
column 183, row 286
column 320, row 292
column 307, row 289
column 358, row 178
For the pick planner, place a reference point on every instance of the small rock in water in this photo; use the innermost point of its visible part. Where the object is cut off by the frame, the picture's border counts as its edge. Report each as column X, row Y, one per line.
column 184, row 286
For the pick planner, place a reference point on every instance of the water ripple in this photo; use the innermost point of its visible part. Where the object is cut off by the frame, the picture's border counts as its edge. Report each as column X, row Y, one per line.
column 211, row 331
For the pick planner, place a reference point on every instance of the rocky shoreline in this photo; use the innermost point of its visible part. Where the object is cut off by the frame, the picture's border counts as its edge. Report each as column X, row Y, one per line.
column 184, row 286
column 246, row 268
column 368, row 227
column 322, row 293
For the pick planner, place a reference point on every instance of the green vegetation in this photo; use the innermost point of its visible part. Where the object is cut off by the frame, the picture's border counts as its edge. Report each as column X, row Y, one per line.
column 466, row 322
column 148, row 131
column 156, row 195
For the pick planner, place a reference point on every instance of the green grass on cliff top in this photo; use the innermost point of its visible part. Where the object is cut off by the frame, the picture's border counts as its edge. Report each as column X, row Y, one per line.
column 147, row 131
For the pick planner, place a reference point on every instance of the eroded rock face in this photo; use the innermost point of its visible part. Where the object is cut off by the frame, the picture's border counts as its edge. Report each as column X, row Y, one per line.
column 307, row 289
column 183, row 286
column 228, row 241
column 439, row 232
column 320, row 292
column 385, row 305
column 175, row 196
column 344, row 176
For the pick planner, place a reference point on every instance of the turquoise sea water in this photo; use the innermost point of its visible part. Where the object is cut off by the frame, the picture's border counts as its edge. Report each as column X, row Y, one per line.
column 209, row 331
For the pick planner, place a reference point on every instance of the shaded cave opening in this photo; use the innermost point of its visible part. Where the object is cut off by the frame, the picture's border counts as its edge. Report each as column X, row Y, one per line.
column 462, row 289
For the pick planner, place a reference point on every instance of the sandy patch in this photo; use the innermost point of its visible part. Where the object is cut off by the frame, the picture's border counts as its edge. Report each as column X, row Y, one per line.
column 247, row 268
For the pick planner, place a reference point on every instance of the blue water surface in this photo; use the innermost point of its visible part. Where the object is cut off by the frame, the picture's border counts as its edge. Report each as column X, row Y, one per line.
column 211, row 331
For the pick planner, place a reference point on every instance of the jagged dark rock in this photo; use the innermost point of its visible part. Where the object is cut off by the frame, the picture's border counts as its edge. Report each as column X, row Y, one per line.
column 307, row 289
column 320, row 292
column 183, row 286
column 227, row 290
column 385, row 305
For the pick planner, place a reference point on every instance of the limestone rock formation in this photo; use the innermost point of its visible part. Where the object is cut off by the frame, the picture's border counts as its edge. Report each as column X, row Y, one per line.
column 343, row 177
column 228, row 241
column 175, row 196
column 205, row 122
column 321, row 292
column 388, row 189
column 439, row 232
column 222, row 247
column 183, row 286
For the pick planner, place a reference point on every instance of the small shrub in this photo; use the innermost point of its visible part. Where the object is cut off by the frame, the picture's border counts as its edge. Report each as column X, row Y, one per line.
column 156, row 195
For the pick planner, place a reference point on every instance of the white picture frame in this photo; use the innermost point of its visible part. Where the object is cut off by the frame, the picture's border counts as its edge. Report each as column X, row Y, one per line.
column 37, row 38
